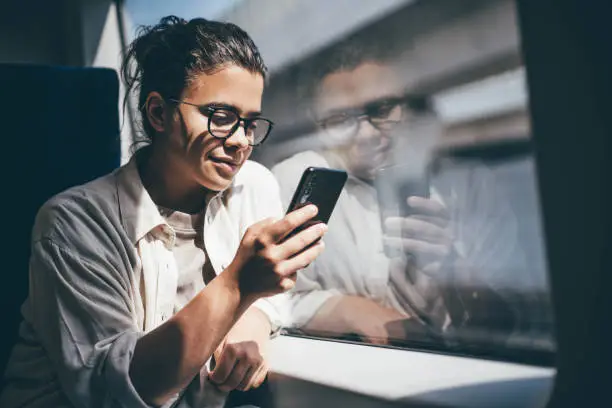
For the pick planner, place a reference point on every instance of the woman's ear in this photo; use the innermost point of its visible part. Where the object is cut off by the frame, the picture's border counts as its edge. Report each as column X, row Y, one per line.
column 155, row 111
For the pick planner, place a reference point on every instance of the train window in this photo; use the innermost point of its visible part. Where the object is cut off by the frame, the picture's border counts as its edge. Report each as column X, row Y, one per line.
column 436, row 242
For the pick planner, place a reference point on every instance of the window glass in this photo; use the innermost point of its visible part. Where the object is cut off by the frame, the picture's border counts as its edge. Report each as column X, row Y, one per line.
column 424, row 99
column 436, row 240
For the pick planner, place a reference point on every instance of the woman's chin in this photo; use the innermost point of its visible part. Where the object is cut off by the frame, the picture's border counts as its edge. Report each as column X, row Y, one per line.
column 213, row 179
column 216, row 184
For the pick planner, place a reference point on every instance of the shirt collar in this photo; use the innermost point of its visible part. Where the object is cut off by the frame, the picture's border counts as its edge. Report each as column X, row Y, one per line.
column 139, row 213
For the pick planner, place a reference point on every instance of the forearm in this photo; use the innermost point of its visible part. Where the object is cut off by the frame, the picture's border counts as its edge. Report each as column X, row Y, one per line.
column 328, row 317
column 253, row 325
column 346, row 314
column 166, row 359
column 254, row 320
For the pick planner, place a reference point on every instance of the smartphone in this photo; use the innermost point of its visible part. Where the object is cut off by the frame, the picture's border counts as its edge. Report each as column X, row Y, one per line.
column 319, row 186
column 394, row 184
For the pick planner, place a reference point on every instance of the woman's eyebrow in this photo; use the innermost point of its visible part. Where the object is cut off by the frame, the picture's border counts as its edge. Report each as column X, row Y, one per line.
column 253, row 114
column 217, row 104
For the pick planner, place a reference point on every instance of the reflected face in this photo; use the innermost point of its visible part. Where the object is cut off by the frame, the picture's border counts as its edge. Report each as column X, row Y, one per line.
column 208, row 161
column 350, row 106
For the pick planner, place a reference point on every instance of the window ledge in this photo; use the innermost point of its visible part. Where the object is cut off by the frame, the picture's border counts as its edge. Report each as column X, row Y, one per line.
column 423, row 378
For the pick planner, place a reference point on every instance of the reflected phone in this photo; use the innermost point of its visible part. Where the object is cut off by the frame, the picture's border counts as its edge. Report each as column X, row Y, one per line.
column 319, row 186
column 394, row 184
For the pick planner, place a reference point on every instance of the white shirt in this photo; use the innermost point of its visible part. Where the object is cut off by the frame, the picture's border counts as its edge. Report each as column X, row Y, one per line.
column 102, row 273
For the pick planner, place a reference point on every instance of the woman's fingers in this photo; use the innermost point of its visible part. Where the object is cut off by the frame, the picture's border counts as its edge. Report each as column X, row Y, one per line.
column 238, row 364
column 289, row 267
column 283, row 227
column 224, row 367
column 301, row 241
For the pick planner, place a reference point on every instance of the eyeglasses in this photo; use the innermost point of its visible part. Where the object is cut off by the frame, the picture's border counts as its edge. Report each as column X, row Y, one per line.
column 224, row 121
column 384, row 115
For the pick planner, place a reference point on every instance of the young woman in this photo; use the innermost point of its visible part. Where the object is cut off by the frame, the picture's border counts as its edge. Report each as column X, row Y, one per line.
column 139, row 278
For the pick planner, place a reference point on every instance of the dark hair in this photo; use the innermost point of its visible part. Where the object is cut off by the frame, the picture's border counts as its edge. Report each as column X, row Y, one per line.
column 167, row 56
column 345, row 57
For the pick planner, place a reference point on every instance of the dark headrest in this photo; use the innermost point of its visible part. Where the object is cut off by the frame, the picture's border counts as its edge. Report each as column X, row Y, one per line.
column 59, row 127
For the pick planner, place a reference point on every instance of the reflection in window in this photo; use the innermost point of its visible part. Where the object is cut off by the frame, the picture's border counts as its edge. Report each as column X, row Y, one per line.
column 435, row 241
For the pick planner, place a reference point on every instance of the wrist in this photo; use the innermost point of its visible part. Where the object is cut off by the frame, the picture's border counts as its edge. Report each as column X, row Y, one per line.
column 229, row 280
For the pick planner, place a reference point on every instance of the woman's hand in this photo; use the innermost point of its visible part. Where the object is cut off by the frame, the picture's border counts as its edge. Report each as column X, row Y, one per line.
column 266, row 264
column 240, row 359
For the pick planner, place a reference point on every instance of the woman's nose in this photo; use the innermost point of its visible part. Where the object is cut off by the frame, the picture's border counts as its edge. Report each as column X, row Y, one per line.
column 238, row 139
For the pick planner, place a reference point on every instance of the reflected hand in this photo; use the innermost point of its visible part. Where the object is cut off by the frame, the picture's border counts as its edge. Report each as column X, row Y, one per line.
column 424, row 235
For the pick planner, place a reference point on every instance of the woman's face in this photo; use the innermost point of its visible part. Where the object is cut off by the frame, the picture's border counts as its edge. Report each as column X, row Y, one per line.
column 194, row 155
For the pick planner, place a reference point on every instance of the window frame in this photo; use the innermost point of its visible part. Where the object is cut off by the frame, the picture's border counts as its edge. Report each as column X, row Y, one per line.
column 569, row 36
